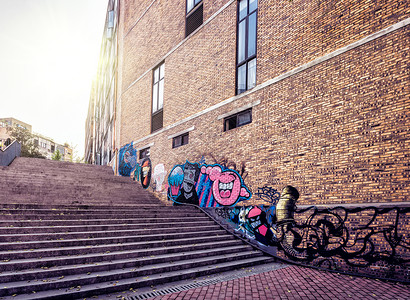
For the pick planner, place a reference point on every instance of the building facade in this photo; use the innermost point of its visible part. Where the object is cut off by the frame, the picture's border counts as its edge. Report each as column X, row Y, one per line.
column 233, row 101
column 308, row 93
column 100, row 123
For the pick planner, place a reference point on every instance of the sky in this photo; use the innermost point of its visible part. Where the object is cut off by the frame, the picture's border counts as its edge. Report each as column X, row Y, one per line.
column 49, row 52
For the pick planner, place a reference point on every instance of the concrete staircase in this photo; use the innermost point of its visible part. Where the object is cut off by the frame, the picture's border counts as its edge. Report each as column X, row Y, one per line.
column 70, row 231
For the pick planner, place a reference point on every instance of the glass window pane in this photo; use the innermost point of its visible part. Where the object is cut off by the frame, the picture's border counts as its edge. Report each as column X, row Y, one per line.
column 197, row 1
column 244, row 118
column 162, row 71
column 189, row 5
column 252, row 35
column 161, row 94
column 230, row 123
column 177, row 141
column 155, row 98
column 252, row 73
column 243, row 9
column 241, row 79
column 156, row 75
column 241, row 41
column 253, row 4
column 185, row 139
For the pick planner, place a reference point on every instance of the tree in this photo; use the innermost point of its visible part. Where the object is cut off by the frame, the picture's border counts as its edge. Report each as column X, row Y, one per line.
column 28, row 148
column 56, row 155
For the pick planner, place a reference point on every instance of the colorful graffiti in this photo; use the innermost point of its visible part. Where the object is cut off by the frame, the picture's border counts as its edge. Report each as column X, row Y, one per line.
column 335, row 238
column 159, row 177
column 127, row 160
column 145, row 172
column 206, row 185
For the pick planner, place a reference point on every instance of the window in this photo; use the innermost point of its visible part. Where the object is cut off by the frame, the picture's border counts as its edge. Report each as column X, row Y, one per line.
column 237, row 120
column 144, row 153
column 180, row 140
column 157, row 98
column 246, row 45
column 194, row 17
column 190, row 4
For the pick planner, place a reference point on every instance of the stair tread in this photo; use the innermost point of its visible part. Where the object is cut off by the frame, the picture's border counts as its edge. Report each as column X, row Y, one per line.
column 75, row 290
column 42, row 272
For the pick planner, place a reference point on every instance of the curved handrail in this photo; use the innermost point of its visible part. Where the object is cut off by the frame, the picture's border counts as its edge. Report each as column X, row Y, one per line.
column 256, row 245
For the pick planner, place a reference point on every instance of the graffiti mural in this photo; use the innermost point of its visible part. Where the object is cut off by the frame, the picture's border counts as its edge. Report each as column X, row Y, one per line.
column 145, row 172
column 268, row 194
column 158, row 178
column 137, row 172
column 358, row 239
column 227, row 164
column 206, row 185
column 127, row 160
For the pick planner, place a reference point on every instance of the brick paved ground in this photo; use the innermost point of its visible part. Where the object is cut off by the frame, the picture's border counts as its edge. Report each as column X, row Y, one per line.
column 295, row 282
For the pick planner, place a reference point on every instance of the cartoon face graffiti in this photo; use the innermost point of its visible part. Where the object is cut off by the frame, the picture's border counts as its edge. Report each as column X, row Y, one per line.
column 127, row 160
column 227, row 185
column 175, row 179
column 191, row 174
column 145, row 172
column 257, row 219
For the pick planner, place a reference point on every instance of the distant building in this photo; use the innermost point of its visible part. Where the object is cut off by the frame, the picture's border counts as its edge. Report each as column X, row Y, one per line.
column 101, row 120
column 5, row 138
column 46, row 145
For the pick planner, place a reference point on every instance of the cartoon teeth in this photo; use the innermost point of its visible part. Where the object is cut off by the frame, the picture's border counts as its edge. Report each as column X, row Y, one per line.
column 225, row 189
column 225, row 186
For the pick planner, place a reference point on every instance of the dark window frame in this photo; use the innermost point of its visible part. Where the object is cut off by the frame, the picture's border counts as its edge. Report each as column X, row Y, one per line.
column 194, row 18
column 180, row 140
column 234, row 120
column 252, row 57
column 143, row 153
column 157, row 114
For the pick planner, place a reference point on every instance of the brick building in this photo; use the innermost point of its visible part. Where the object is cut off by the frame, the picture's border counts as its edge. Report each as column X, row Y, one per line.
column 100, row 122
column 314, row 94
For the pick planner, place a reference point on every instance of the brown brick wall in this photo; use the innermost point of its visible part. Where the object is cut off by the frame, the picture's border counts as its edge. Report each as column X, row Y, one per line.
column 136, row 111
column 211, row 7
column 202, row 72
column 161, row 28
column 338, row 131
column 292, row 33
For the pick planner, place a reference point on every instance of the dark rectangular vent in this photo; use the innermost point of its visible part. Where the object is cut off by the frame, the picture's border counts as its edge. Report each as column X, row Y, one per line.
column 194, row 20
column 157, row 120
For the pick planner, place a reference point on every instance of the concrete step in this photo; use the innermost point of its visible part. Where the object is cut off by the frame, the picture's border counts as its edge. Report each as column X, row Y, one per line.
column 114, row 233
column 226, row 253
column 103, row 249
column 105, row 227
column 165, row 240
column 111, row 286
column 34, row 259
column 149, row 222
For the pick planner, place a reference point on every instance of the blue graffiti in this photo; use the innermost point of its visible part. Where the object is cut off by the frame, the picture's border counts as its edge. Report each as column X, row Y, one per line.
column 127, row 160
